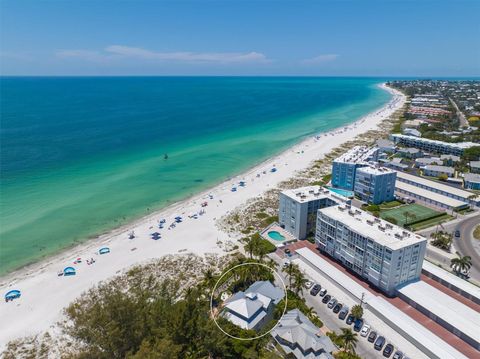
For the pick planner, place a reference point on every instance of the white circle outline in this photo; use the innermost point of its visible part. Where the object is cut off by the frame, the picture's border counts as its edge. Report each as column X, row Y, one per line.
column 223, row 275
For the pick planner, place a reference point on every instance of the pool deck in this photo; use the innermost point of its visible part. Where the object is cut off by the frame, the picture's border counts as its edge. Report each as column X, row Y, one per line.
column 276, row 227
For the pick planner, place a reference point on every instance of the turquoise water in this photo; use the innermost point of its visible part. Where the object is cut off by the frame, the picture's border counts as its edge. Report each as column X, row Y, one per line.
column 276, row 236
column 80, row 156
column 342, row 192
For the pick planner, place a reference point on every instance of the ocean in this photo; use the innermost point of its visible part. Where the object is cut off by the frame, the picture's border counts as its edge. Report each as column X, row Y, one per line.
column 82, row 155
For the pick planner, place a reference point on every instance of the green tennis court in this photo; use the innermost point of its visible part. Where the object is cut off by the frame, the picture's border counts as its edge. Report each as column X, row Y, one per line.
column 415, row 212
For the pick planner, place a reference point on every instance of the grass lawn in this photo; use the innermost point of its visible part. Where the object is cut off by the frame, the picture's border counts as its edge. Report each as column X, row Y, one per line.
column 398, row 213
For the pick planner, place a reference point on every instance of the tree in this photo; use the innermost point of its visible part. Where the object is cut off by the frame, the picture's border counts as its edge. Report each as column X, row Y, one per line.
column 349, row 340
column 357, row 311
column 290, row 270
column 299, row 281
column 461, row 264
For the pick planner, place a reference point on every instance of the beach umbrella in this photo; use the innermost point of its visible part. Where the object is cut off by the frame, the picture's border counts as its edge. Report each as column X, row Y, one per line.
column 13, row 294
column 68, row 271
column 104, row 250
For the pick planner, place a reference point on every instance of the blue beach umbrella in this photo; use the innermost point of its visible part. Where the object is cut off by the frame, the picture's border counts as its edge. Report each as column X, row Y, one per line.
column 104, row 250
column 13, row 294
column 69, row 271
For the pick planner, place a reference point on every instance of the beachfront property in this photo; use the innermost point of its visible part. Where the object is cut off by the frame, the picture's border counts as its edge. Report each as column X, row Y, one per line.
column 437, row 171
column 474, row 166
column 385, row 255
column 375, row 184
column 432, row 146
column 427, row 189
column 471, row 181
column 253, row 308
column 412, row 132
column 298, row 208
column 297, row 335
column 345, row 166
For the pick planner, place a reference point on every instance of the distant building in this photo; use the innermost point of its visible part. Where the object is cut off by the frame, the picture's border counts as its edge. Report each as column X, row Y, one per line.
column 344, row 167
column 297, row 335
column 385, row 146
column 410, row 152
column 297, row 211
column 413, row 123
column 436, row 171
column 375, row 185
column 475, row 166
column 395, row 163
column 433, row 146
column 472, row 181
column 382, row 253
column 253, row 308
column 412, row 132
column 449, row 160
column 424, row 161
column 447, row 192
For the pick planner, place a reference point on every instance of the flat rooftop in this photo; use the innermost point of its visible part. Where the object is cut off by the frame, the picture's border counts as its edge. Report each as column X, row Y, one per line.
column 437, row 185
column 358, row 154
column 311, row 193
column 435, row 345
column 380, row 231
column 472, row 177
column 467, row 287
column 425, row 193
column 376, row 170
column 460, row 316
column 460, row 145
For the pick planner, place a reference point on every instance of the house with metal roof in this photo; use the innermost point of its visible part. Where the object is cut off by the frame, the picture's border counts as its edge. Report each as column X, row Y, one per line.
column 253, row 308
column 297, row 335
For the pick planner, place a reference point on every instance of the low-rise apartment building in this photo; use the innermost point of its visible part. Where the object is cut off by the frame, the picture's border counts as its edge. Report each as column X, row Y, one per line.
column 384, row 254
column 437, row 171
column 471, row 181
column 433, row 146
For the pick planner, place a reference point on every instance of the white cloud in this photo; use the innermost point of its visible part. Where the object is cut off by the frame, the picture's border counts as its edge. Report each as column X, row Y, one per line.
column 113, row 52
column 320, row 59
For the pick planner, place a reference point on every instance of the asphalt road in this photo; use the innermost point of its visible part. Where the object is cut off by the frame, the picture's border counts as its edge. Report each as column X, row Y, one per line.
column 465, row 244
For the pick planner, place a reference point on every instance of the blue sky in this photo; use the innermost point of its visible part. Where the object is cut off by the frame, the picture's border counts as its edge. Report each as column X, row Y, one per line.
column 332, row 38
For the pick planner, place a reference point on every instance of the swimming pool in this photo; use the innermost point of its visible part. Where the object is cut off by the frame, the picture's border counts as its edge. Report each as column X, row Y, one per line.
column 276, row 236
column 342, row 192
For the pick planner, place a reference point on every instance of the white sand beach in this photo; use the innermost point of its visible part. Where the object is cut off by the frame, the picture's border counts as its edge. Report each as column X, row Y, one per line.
column 45, row 294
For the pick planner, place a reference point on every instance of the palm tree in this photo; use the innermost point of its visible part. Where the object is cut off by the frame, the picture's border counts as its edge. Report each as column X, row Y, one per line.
column 461, row 264
column 310, row 312
column 290, row 271
column 349, row 340
column 357, row 311
column 299, row 281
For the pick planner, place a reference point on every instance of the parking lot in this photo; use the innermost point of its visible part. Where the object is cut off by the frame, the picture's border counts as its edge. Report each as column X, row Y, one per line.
column 332, row 322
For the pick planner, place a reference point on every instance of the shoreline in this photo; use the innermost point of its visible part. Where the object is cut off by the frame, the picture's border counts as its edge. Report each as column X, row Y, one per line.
column 44, row 295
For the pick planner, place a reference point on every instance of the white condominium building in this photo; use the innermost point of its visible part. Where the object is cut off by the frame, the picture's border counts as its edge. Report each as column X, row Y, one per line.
column 375, row 184
column 345, row 166
column 382, row 253
column 298, row 208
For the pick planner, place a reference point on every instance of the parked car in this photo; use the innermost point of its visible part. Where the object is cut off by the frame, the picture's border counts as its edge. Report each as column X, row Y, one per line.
column 337, row 307
column 287, row 251
column 358, row 325
column 388, row 350
column 365, row 330
column 350, row 319
column 379, row 343
column 398, row 355
column 372, row 336
column 286, row 264
column 315, row 289
column 343, row 313
column 326, row 298
column 457, row 233
column 322, row 292
column 308, row 284
column 332, row 303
